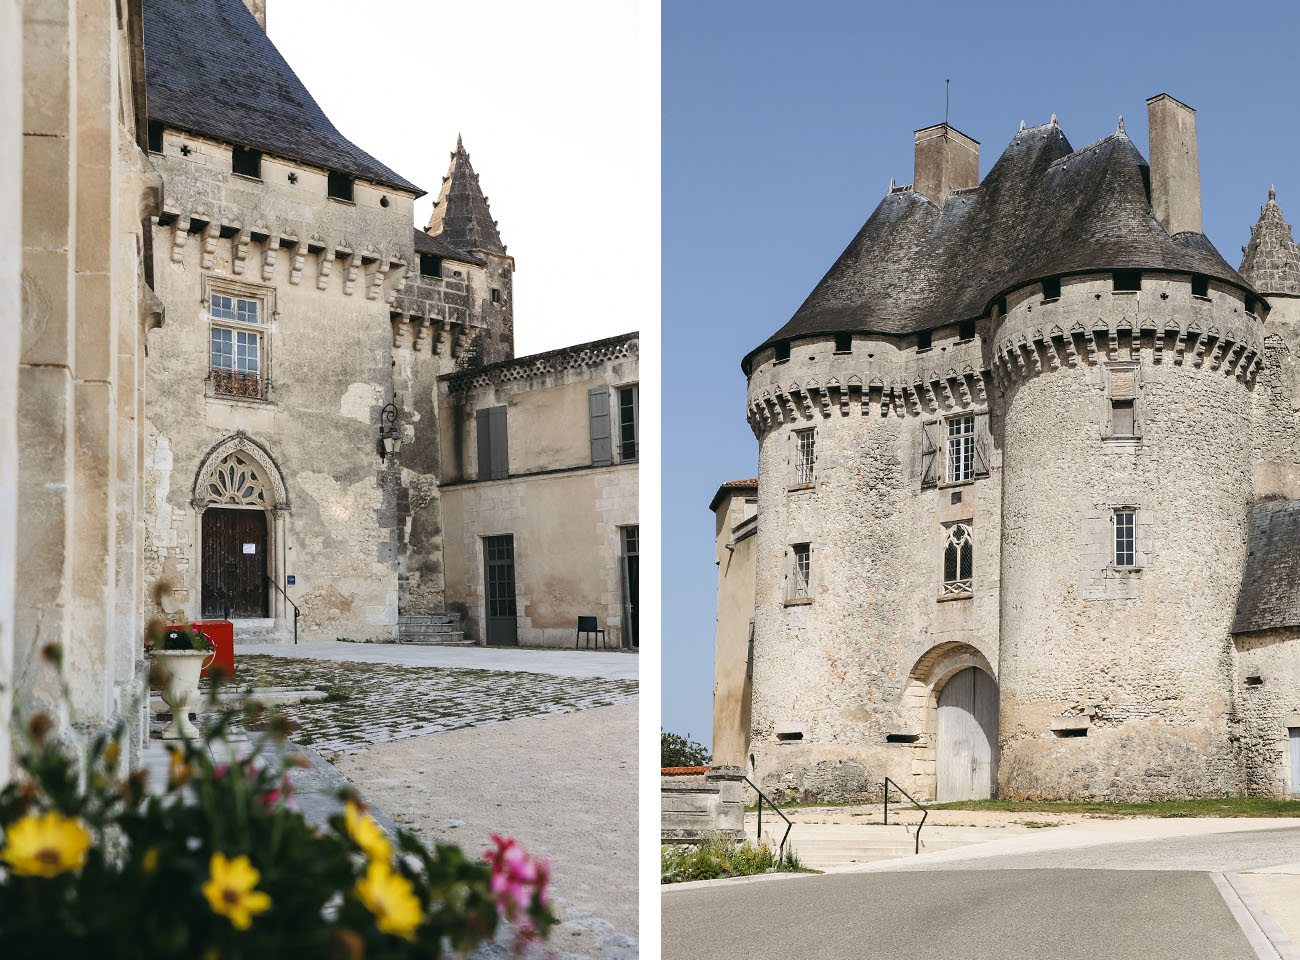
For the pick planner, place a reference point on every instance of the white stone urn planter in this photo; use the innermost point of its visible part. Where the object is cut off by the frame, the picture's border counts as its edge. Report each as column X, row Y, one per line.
column 180, row 678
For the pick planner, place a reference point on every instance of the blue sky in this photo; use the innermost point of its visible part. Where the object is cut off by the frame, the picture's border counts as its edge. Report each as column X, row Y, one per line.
column 782, row 125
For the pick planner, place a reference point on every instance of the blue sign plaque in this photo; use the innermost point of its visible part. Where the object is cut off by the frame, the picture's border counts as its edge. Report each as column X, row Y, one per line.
column 291, row 579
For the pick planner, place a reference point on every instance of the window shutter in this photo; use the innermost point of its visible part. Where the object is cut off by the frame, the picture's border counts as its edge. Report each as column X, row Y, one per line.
column 500, row 449
column 983, row 444
column 598, row 407
column 482, row 424
column 930, row 453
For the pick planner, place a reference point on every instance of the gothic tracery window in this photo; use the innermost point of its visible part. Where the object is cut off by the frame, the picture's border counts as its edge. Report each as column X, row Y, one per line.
column 236, row 479
column 958, row 560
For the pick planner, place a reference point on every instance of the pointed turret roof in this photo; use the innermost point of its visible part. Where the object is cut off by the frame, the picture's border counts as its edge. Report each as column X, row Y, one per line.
column 460, row 214
column 1272, row 260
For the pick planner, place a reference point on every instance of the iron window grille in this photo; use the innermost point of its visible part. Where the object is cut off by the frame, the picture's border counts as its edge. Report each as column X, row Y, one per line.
column 802, row 571
column 806, row 441
column 1125, row 538
column 235, row 347
column 961, row 449
column 958, row 560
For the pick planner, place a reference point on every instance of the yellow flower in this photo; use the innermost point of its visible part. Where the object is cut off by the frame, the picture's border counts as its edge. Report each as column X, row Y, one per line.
column 178, row 771
column 366, row 833
column 149, row 862
column 46, row 845
column 390, row 898
column 230, row 890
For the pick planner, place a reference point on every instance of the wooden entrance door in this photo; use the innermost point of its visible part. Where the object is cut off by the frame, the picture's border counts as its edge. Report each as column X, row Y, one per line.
column 234, row 563
column 499, row 581
column 967, row 737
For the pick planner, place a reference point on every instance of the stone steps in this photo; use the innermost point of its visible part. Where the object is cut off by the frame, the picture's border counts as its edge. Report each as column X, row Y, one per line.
column 432, row 629
column 261, row 630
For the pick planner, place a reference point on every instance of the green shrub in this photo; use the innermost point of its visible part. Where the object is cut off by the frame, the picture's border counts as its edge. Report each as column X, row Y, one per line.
column 678, row 751
column 718, row 857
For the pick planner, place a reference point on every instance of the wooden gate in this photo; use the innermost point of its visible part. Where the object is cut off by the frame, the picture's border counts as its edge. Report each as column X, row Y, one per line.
column 967, row 737
column 234, row 563
column 499, row 583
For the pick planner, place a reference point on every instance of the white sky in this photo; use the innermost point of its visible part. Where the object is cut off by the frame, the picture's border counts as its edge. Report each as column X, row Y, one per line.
column 546, row 94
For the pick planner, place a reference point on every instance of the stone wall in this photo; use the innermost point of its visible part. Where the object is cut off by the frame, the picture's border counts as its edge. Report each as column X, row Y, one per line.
column 734, row 552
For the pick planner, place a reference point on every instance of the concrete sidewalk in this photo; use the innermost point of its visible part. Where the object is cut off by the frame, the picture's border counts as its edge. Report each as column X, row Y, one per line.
column 558, row 663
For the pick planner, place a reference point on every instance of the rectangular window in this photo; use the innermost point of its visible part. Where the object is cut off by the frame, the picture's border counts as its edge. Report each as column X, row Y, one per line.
column 966, row 330
column 843, row 343
column 805, row 456
column 496, row 294
column 801, row 587
column 155, row 137
column 246, row 162
column 961, row 449
column 430, row 265
column 493, row 449
column 235, row 346
column 1126, row 281
column 1125, row 538
column 1121, row 418
column 1200, row 285
column 1052, row 288
column 924, row 340
column 627, row 423
column 782, row 351
column 339, row 186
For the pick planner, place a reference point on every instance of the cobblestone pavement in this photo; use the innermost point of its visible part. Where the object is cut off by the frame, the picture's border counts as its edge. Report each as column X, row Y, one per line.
column 369, row 703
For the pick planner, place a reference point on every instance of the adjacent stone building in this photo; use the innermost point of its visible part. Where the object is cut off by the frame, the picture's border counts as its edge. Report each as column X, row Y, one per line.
column 1026, row 484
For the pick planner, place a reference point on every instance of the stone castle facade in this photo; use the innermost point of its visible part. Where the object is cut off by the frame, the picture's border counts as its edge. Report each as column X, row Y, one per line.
column 242, row 371
column 1027, row 492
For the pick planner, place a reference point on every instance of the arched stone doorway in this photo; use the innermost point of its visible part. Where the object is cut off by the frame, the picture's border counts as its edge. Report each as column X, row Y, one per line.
column 966, row 737
column 951, row 718
column 240, row 506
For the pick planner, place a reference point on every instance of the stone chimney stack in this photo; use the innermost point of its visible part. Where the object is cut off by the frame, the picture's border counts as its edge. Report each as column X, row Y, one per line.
column 258, row 9
column 1175, row 169
column 946, row 160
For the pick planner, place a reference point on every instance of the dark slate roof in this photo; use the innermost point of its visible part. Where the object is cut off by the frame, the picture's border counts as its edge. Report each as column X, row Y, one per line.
column 1270, row 587
column 1272, row 260
column 427, row 244
column 1043, row 210
column 460, row 214
column 212, row 70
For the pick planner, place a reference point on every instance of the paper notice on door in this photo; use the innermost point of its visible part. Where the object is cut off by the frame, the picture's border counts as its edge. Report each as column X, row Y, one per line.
column 250, row 548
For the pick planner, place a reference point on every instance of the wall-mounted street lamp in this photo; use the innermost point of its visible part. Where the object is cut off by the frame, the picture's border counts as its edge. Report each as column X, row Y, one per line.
column 390, row 437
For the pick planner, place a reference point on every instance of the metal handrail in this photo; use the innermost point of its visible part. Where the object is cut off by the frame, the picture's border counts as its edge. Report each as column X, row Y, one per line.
column 924, row 812
column 296, row 611
column 780, row 852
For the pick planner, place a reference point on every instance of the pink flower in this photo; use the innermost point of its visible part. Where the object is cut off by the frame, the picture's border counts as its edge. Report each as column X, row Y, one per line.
column 220, row 771
column 516, row 879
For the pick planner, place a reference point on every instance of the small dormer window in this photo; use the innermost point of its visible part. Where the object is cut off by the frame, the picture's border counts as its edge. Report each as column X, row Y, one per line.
column 155, row 137
column 246, row 162
column 923, row 340
column 1127, row 281
column 843, row 343
column 340, row 186
column 966, row 330
column 430, row 265
column 782, row 351
column 1052, row 288
column 1200, row 285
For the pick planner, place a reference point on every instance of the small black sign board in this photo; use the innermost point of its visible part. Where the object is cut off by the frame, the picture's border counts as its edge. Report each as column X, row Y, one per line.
column 291, row 579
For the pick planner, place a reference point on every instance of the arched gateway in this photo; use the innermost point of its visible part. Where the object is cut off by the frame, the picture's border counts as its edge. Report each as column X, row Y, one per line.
column 240, row 501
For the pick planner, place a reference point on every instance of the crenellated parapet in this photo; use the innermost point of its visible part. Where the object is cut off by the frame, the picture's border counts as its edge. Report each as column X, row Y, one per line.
column 878, row 376
column 1090, row 322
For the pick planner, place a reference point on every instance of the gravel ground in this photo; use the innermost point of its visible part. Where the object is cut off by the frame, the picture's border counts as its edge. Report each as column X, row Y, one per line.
column 563, row 785
column 371, row 703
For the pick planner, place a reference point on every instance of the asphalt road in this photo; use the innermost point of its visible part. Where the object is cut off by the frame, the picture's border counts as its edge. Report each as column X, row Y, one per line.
column 1040, row 914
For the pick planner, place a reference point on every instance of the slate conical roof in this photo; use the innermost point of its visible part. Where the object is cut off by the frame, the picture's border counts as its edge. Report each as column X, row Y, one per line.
column 210, row 69
column 1272, row 261
column 460, row 214
column 1044, row 210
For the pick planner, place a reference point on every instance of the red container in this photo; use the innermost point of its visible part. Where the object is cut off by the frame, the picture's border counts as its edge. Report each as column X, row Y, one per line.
column 222, row 633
